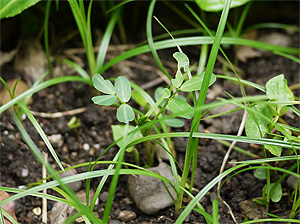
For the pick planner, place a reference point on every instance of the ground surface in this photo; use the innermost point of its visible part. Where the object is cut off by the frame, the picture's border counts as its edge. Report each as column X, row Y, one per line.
column 94, row 135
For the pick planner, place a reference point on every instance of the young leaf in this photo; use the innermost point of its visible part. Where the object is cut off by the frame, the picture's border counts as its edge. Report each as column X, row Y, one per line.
column 174, row 122
column 104, row 100
column 158, row 94
column 178, row 79
column 102, row 85
column 218, row 5
column 276, row 193
column 118, row 131
column 182, row 59
column 123, row 88
column 195, row 83
column 251, row 128
column 277, row 89
column 125, row 113
column 166, row 93
column 182, row 108
column 275, row 150
column 260, row 173
column 11, row 8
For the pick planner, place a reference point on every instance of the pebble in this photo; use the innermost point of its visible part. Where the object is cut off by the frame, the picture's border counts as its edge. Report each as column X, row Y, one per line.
column 252, row 210
column 292, row 182
column 75, row 186
column 86, row 147
column 25, row 172
column 126, row 215
column 56, row 140
column 114, row 221
column 37, row 211
column 149, row 193
column 103, row 196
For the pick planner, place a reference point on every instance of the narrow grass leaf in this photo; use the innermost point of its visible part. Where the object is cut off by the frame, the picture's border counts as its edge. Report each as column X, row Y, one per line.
column 78, row 69
column 181, row 108
column 41, row 132
column 102, row 85
column 41, row 86
column 123, row 88
column 151, row 45
column 105, row 100
column 106, row 39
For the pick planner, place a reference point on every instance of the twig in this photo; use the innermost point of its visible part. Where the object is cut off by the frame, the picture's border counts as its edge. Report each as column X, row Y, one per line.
column 240, row 131
column 44, row 200
column 59, row 114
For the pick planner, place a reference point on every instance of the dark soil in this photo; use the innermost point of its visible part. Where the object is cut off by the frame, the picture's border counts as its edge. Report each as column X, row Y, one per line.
column 96, row 132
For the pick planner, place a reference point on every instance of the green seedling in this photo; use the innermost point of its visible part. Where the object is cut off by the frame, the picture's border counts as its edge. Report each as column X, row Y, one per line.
column 74, row 124
column 262, row 122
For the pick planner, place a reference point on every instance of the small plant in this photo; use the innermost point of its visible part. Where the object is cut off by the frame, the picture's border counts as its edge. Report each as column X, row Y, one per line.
column 263, row 120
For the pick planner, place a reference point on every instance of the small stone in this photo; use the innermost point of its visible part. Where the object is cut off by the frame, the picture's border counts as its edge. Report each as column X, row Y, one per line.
column 97, row 146
column 75, row 186
column 103, row 196
column 126, row 215
column 252, row 210
column 292, row 182
column 86, row 147
column 149, row 193
column 37, row 211
column 114, row 221
column 25, row 172
column 56, row 140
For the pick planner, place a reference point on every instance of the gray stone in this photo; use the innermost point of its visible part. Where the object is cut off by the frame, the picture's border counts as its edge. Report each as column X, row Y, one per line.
column 126, row 215
column 252, row 210
column 149, row 193
column 75, row 186
column 103, row 196
column 114, row 221
column 227, row 123
column 292, row 182
column 56, row 140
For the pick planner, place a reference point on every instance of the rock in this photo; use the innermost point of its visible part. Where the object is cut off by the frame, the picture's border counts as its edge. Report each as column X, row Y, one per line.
column 275, row 38
column 25, row 172
column 149, row 193
column 60, row 211
column 31, row 60
column 37, row 211
column 103, row 196
column 114, row 221
column 75, row 186
column 126, row 215
column 292, row 182
column 226, row 123
column 21, row 88
column 9, row 207
column 56, row 140
column 162, row 154
column 252, row 210
column 86, row 147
